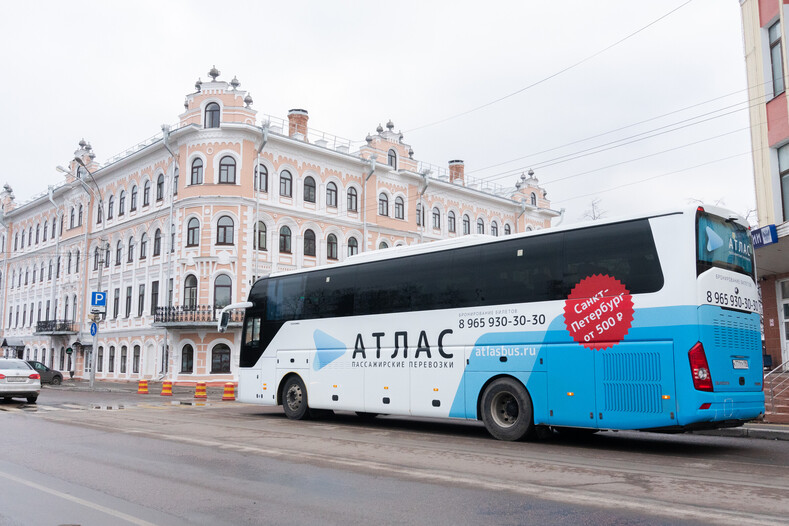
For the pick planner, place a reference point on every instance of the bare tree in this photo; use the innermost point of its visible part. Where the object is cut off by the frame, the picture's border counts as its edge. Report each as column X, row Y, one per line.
column 595, row 212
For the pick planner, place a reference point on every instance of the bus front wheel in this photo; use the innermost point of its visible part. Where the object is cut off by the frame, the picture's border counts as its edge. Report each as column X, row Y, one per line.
column 507, row 410
column 294, row 399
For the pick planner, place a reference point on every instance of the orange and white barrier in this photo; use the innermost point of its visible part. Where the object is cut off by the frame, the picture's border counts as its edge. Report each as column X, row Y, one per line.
column 200, row 393
column 142, row 388
column 167, row 389
column 230, row 392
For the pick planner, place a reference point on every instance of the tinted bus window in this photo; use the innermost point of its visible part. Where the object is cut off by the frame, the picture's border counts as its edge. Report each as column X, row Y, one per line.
column 285, row 298
column 722, row 244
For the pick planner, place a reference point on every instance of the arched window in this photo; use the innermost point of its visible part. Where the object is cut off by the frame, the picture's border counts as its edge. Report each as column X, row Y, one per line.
column 38, row 230
column 175, row 181
column 76, row 261
column 480, row 226
column 382, row 245
column 30, row 236
column 110, row 206
column 143, row 246
column 187, row 359
column 96, row 259
column 130, row 257
column 124, row 358
column 331, row 246
column 227, row 170
column 399, row 208
column 260, row 237
column 383, row 204
column 353, row 200
column 224, row 231
column 133, row 204
column 309, row 190
column 100, row 360
column 35, row 269
column 466, row 225
column 41, row 274
column 197, row 171
column 192, row 232
column 212, row 115
column 118, row 252
column 220, row 359
column 223, row 291
column 261, row 178
column 79, row 220
column 284, row 240
column 107, row 257
column 68, row 265
column 533, row 199
column 309, row 243
column 146, row 193
column 285, row 184
column 110, row 365
column 436, row 218
column 451, row 221
column 190, row 292
column 136, row 360
column 507, row 230
column 157, row 242
column 122, row 203
column 420, row 215
column 46, row 225
column 160, row 187
column 391, row 159
column 494, row 228
column 72, row 221
column 353, row 246
column 331, row 195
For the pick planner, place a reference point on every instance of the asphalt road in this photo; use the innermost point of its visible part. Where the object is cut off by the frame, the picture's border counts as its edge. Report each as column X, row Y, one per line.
column 120, row 458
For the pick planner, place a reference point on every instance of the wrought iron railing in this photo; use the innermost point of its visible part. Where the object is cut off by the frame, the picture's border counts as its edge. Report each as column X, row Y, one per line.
column 56, row 326
column 197, row 314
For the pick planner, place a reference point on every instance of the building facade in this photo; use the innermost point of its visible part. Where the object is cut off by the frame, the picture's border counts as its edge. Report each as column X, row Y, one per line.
column 764, row 33
column 182, row 224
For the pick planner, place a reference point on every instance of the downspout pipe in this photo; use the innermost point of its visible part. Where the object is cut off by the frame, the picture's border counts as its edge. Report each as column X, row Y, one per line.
column 423, row 215
column 256, row 190
column 371, row 161
column 166, row 142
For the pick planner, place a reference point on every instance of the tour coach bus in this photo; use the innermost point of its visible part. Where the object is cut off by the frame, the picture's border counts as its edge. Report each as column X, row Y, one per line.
column 647, row 323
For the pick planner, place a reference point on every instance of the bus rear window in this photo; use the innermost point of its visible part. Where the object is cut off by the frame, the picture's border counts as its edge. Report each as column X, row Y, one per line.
column 722, row 244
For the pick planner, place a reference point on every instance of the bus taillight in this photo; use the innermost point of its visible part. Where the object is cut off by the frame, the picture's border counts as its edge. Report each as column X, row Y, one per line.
column 702, row 380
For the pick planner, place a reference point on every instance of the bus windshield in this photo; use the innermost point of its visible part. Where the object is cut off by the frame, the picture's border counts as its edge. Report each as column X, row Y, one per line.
column 722, row 244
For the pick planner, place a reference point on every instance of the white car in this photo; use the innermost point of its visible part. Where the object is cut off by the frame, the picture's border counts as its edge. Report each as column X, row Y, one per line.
column 19, row 380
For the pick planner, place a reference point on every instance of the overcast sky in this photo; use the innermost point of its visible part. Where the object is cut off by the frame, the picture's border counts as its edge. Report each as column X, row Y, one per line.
column 113, row 72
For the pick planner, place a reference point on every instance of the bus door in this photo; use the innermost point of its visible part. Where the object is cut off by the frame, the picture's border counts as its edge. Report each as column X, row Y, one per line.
column 635, row 385
column 571, row 385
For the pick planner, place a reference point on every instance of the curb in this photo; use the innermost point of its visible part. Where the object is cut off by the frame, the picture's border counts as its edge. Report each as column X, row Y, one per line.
column 746, row 431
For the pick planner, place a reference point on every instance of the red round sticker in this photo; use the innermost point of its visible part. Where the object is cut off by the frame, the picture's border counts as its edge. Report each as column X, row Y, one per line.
column 599, row 312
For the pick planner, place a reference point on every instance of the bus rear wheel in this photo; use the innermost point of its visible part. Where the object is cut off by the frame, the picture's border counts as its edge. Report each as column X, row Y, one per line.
column 294, row 399
column 507, row 410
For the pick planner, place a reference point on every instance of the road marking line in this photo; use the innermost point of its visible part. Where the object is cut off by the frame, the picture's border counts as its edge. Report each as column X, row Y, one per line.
column 77, row 500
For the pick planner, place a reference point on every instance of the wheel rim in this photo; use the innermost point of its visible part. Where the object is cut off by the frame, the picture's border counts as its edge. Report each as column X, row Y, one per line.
column 294, row 397
column 505, row 409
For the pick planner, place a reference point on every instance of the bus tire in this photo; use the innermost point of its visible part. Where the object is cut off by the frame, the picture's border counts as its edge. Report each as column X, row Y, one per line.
column 507, row 410
column 294, row 399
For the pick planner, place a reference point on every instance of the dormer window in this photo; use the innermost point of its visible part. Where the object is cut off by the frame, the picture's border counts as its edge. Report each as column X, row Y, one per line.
column 533, row 199
column 392, row 159
column 212, row 115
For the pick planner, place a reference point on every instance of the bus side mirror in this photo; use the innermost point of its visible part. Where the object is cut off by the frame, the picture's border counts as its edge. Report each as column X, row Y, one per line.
column 224, row 319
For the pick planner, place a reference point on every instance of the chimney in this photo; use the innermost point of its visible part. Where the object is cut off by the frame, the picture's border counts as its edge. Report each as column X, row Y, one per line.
column 456, row 172
column 297, row 124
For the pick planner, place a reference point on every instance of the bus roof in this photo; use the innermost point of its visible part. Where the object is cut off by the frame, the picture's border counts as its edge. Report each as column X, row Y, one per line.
column 480, row 239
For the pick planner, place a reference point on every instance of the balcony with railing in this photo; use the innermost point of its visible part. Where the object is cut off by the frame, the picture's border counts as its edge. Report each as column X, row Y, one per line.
column 193, row 316
column 55, row 327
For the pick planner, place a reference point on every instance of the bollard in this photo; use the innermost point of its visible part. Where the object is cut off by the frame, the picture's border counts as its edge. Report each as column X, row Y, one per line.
column 200, row 391
column 143, row 387
column 167, row 389
column 230, row 392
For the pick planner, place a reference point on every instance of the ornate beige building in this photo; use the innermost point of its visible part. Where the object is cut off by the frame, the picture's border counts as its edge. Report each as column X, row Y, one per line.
column 183, row 223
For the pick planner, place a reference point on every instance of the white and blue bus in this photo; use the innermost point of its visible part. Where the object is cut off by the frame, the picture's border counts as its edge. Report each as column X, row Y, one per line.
column 646, row 323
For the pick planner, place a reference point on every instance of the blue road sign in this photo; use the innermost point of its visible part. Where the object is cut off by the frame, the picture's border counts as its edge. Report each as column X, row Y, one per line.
column 93, row 329
column 98, row 299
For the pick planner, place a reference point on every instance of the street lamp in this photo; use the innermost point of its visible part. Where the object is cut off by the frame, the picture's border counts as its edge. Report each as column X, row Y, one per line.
column 96, row 194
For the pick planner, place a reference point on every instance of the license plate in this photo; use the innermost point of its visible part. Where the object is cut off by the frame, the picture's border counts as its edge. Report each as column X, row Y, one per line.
column 15, row 379
column 740, row 364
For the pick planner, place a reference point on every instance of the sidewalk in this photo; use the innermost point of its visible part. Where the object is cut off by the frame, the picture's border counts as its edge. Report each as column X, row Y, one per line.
column 750, row 430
